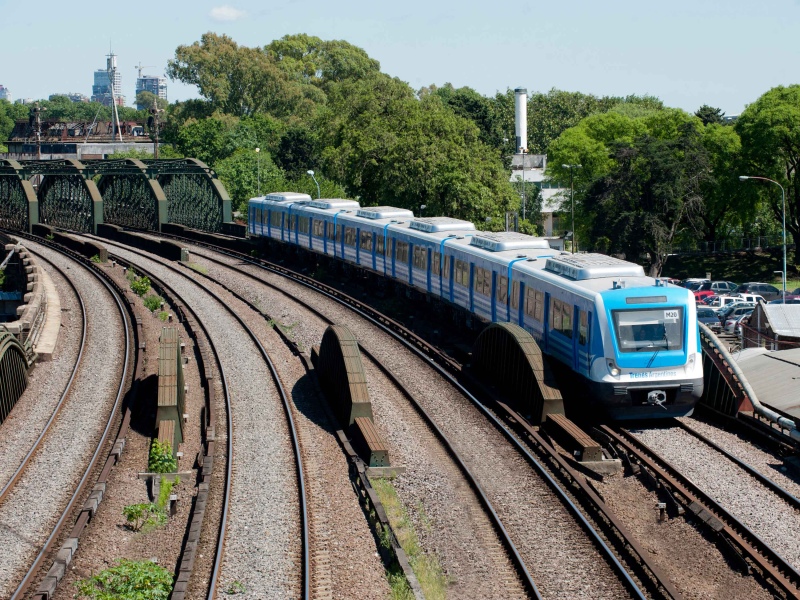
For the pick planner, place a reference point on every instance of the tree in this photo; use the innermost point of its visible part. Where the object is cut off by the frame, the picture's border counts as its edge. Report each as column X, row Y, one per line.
column 145, row 100
column 710, row 115
column 770, row 132
column 650, row 196
column 236, row 80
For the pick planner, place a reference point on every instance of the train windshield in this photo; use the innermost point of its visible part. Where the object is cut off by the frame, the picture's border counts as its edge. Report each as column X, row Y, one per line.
column 649, row 329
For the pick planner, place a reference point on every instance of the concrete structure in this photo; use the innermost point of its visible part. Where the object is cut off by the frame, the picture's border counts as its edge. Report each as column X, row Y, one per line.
column 106, row 81
column 155, row 85
column 773, row 377
column 5, row 94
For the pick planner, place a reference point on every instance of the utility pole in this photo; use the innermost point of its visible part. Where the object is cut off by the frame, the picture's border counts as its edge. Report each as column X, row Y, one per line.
column 154, row 123
column 523, row 150
column 572, row 202
column 36, row 121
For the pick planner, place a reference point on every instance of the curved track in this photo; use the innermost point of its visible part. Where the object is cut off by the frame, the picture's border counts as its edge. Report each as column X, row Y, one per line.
column 247, row 430
column 66, row 438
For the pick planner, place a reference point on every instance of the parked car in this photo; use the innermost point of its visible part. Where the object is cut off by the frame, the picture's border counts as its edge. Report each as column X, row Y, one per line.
column 710, row 300
column 712, row 288
column 733, row 320
column 754, row 298
column 733, row 312
column 796, row 292
column 792, row 300
column 693, row 283
column 741, row 321
column 769, row 292
column 723, row 301
column 709, row 318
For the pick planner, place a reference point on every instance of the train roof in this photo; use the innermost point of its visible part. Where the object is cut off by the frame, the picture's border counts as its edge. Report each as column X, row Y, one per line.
column 439, row 224
column 384, row 212
column 334, row 203
column 282, row 198
column 502, row 241
column 592, row 266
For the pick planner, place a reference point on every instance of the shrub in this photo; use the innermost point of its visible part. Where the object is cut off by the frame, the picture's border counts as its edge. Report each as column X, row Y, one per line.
column 152, row 302
column 144, row 515
column 140, row 286
column 128, row 580
column 164, row 492
column 161, row 459
column 96, row 259
column 163, row 315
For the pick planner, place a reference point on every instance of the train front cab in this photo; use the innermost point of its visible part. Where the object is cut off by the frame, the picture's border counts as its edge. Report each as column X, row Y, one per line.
column 653, row 365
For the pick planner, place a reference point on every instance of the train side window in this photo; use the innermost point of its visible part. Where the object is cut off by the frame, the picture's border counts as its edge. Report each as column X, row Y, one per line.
column 447, row 266
column 515, row 295
column 292, row 222
column 420, row 258
column 538, row 310
column 319, row 228
column 483, row 281
column 462, row 273
column 529, row 302
column 502, row 289
column 350, row 236
column 331, row 232
column 566, row 319
column 267, row 216
column 401, row 252
column 555, row 314
column 366, row 241
column 379, row 244
column 583, row 327
column 302, row 224
column 436, row 263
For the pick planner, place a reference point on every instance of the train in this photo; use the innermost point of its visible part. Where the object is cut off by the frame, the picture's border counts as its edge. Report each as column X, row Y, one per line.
column 631, row 341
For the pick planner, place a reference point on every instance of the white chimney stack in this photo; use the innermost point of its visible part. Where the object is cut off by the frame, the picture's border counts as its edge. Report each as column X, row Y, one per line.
column 521, row 120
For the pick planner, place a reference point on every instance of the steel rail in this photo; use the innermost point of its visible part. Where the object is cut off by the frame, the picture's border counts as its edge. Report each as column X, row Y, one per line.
column 26, row 581
column 170, row 291
column 776, row 489
column 771, row 564
column 471, row 479
column 289, row 419
column 427, row 352
column 36, row 445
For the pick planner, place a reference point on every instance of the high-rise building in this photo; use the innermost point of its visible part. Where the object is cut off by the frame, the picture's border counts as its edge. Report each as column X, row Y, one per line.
column 154, row 85
column 103, row 78
column 5, row 94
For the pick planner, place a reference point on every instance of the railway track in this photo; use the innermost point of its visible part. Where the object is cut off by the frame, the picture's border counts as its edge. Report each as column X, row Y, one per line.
column 256, row 457
column 747, row 547
column 661, row 584
column 49, row 485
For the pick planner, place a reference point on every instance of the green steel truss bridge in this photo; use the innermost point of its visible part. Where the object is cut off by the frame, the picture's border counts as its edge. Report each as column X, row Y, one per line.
column 141, row 194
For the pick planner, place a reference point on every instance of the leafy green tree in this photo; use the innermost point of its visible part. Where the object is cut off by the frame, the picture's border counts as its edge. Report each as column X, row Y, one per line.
column 710, row 115
column 236, row 80
column 651, row 195
column 319, row 62
column 297, row 151
column 770, row 132
column 146, row 99
column 481, row 110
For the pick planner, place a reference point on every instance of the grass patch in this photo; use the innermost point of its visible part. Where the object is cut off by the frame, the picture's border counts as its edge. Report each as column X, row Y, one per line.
column 128, row 580
column 426, row 565
column 196, row 267
column 163, row 315
column 152, row 302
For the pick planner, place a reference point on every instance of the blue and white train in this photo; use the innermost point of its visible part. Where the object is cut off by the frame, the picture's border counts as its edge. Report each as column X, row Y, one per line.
column 632, row 339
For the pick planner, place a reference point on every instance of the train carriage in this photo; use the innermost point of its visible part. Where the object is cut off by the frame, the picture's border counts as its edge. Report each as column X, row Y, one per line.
column 631, row 340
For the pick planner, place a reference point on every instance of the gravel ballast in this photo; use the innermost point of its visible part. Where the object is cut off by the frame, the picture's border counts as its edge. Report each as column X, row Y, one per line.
column 767, row 515
column 262, row 545
column 33, row 507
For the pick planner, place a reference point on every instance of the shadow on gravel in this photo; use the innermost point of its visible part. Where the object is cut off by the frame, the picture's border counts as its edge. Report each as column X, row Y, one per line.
column 312, row 403
column 143, row 413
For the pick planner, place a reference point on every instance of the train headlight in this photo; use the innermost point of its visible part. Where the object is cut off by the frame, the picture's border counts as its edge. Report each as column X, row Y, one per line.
column 613, row 368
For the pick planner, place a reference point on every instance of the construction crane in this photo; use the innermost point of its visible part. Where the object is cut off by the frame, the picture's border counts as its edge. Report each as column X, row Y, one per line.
column 141, row 67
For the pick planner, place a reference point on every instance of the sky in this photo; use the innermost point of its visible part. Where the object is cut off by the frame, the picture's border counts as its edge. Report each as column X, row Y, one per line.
column 686, row 52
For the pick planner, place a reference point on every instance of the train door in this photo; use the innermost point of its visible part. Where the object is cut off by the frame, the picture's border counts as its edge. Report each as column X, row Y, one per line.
column 325, row 226
column 394, row 271
column 269, row 223
column 358, row 245
column 575, row 348
column 546, row 323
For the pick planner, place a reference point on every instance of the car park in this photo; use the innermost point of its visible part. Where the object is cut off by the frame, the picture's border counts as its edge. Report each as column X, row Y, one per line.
column 733, row 320
column 768, row 291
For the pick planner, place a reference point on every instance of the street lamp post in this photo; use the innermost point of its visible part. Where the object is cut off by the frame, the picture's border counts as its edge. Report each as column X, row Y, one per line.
column 422, row 208
column 783, row 202
column 258, row 154
column 522, row 151
column 572, row 202
column 310, row 172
